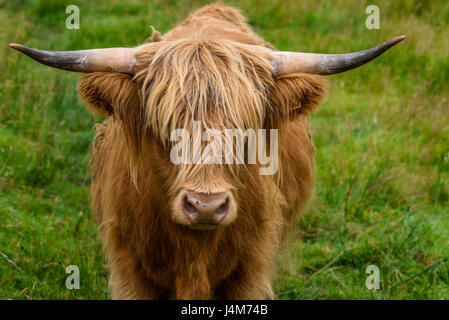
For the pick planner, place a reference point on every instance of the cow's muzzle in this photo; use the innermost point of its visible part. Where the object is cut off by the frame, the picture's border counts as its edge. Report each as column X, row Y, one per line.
column 204, row 211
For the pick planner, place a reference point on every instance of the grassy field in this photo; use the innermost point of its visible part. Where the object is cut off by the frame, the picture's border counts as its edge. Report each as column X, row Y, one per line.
column 382, row 137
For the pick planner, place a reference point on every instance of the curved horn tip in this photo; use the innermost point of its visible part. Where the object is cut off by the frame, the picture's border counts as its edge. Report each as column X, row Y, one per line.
column 398, row 39
column 16, row 46
column 20, row 47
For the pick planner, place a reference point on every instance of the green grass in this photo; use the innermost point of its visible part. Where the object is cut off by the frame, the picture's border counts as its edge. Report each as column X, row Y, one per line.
column 382, row 136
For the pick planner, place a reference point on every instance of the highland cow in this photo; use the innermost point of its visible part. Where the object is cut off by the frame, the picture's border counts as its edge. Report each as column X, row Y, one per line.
column 198, row 230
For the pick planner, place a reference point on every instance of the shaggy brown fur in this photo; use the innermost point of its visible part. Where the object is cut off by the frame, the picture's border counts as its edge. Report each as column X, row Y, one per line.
column 212, row 68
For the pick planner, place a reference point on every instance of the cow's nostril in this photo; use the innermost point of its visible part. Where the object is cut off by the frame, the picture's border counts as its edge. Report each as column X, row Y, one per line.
column 223, row 208
column 188, row 207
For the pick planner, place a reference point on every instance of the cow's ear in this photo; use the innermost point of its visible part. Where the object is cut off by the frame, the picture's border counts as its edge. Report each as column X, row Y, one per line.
column 297, row 93
column 118, row 95
column 108, row 93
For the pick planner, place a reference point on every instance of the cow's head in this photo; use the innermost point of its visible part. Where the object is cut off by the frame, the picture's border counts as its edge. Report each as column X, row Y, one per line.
column 158, row 88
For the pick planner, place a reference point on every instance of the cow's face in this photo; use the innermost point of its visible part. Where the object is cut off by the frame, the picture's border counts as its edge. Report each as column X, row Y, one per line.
column 200, row 109
column 195, row 94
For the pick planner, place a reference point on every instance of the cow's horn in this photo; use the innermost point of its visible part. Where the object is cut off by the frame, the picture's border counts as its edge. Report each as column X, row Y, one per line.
column 111, row 59
column 286, row 62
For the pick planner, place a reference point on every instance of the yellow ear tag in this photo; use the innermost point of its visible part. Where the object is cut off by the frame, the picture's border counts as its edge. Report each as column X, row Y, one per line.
column 297, row 107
